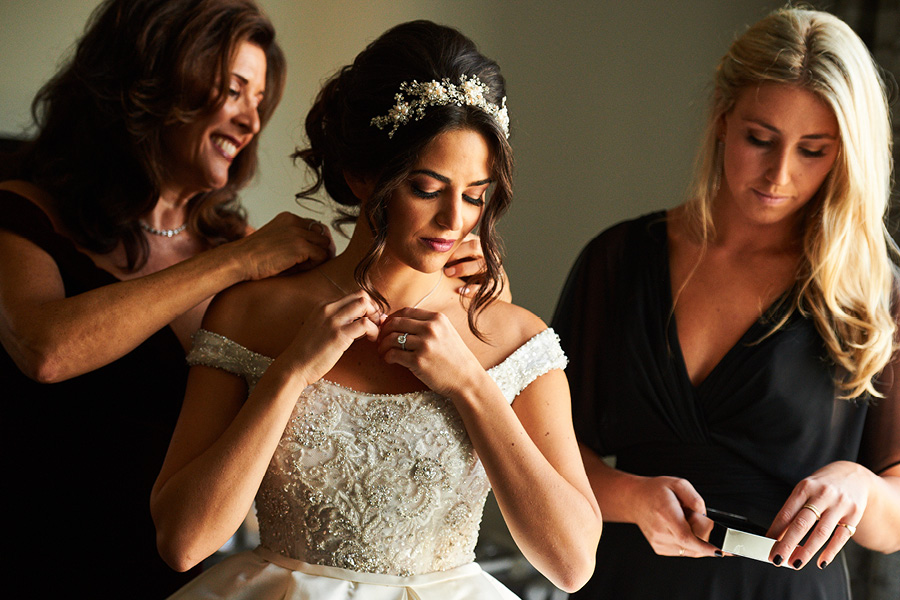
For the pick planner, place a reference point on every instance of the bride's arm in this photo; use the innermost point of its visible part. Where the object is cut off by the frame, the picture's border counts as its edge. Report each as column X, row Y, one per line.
column 222, row 444
column 529, row 450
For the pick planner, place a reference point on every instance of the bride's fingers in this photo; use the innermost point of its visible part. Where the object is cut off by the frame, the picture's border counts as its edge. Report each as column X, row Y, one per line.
column 406, row 322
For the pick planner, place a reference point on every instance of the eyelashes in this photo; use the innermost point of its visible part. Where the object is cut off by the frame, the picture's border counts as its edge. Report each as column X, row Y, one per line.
column 416, row 190
column 768, row 143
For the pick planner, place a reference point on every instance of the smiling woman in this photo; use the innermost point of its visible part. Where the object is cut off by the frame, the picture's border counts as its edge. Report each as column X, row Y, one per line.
column 199, row 154
column 121, row 225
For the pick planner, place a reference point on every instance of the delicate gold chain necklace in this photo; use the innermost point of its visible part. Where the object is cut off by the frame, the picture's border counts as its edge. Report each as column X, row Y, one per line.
column 424, row 298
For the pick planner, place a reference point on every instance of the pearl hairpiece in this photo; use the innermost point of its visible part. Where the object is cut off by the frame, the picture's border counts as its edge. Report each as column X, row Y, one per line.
column 469, row 92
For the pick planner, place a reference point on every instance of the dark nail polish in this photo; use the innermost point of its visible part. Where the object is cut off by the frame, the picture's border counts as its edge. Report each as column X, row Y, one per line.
column 797, row 563
column 823, row 564
column 719, row 553
column 777, row 560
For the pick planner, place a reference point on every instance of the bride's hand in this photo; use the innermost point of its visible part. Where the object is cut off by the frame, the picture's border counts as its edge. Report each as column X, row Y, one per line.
column 329, row 330
column 427, row 344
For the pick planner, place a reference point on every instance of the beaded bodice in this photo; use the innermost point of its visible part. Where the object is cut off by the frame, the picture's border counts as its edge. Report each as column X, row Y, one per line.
column 370, row 482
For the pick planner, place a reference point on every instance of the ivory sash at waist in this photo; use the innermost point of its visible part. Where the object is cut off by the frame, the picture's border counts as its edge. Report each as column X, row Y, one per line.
column 262, row 574
column 425, row 579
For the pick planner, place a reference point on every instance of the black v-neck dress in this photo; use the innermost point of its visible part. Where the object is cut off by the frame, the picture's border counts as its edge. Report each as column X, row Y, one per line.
column 765, row 417
column 80, row 457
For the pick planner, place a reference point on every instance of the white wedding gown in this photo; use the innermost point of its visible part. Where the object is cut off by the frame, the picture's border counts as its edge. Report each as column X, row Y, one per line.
column 368, row 496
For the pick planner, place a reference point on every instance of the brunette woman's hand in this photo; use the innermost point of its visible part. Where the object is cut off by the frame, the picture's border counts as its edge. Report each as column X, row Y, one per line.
column 828, row 505
column 468, row 260
column 328, row 331
column 428, row 344
column 286, row 242
column 671, row 515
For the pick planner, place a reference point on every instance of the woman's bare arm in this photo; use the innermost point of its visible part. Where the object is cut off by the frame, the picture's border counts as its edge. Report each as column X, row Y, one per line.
column 52, row 337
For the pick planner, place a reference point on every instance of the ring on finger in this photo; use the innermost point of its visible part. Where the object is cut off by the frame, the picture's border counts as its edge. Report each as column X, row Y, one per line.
column 850, row 528
column 401, row 339
column 681, row 551
column 321, row 228
column 814, row 510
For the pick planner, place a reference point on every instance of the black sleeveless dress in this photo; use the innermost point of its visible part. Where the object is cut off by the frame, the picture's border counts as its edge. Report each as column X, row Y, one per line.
column 766, row 417
column 80, row 457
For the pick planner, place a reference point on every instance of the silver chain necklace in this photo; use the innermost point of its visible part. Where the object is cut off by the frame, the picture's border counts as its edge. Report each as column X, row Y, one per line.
column 162, row 232
column 424, row 298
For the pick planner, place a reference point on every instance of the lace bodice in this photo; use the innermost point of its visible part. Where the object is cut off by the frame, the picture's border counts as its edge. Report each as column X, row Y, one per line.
column 375, row 483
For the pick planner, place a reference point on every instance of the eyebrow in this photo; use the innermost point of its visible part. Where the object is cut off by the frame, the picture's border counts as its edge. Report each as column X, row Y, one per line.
column 444, row 179
column 812, row 136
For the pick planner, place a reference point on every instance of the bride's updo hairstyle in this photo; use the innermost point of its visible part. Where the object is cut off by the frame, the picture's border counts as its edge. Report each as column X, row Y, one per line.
column 343, row 140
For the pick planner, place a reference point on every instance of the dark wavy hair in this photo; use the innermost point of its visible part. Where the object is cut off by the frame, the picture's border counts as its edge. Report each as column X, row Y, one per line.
column 342, row 139
column 140, row 67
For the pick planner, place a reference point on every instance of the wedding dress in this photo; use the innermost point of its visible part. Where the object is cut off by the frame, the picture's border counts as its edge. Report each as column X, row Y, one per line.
column 368, row 496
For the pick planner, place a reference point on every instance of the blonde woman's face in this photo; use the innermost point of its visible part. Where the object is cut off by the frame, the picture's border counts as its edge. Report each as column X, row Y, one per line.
column 780, row 143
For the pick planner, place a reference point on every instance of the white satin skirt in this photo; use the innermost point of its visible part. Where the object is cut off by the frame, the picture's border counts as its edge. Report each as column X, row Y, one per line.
column 261, row 574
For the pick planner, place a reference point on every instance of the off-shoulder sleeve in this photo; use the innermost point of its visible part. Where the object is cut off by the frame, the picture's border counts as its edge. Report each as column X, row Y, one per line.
column 540, row 354
column 214, row 350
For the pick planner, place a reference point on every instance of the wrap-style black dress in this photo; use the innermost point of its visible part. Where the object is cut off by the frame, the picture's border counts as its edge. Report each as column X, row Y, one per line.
column 766, row 417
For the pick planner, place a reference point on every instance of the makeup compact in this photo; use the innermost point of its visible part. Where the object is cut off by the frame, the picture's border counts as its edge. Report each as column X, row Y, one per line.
column 738, row 535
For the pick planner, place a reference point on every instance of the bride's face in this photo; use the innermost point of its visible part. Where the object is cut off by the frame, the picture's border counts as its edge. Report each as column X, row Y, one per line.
column 441, row 200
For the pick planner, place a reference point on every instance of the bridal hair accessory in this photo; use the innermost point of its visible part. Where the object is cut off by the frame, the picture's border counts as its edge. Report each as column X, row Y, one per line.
column 163, row 232
column 419, row 96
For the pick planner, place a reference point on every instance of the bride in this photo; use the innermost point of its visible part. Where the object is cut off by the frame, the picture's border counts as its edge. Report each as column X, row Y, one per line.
column 391, row 406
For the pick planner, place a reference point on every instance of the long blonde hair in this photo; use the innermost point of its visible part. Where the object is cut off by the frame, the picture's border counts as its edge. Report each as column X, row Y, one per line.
column 846, row 277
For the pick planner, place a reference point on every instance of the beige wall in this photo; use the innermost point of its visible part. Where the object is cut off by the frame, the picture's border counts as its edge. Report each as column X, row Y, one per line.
column 605, row 99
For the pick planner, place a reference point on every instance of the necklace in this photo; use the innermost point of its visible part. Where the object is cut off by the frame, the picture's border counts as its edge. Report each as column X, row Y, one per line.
column 163, row 232
column 416, row 305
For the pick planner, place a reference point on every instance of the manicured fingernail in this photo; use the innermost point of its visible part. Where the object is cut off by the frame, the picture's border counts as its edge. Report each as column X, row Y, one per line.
column 777, row 560
column 719, row 553
column 798, row 563
column 823, row 564
column 450, row 271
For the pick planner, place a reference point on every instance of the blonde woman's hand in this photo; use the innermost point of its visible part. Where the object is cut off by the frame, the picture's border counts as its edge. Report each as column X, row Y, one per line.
column 286, row 242
column 467, row 261
column 427, row 344
column 827, row 505
column 670, row 514
column 328, row 331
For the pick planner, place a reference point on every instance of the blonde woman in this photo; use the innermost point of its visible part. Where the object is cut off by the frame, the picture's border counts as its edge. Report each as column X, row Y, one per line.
column 737, row 353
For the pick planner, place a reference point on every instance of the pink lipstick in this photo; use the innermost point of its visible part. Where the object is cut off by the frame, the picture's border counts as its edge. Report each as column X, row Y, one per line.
column 438, row 244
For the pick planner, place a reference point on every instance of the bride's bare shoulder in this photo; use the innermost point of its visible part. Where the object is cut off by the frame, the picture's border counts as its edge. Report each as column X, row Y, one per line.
column 264, row 315
column 505, row 328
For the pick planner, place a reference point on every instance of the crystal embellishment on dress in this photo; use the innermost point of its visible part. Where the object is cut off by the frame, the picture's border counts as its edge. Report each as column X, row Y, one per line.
column 375, row 483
